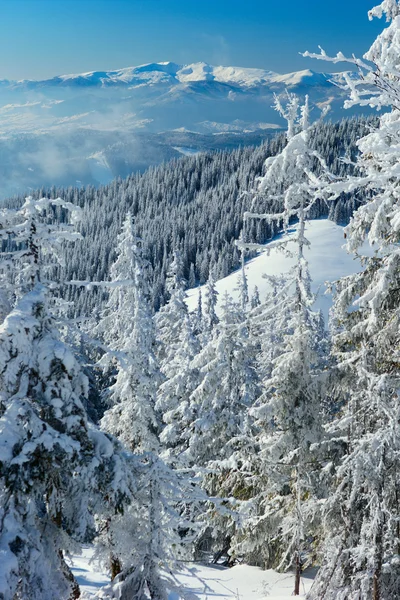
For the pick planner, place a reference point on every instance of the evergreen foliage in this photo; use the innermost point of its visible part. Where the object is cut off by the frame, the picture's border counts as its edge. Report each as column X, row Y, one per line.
column 193, row 205
column 56, row 471
column 362, row 514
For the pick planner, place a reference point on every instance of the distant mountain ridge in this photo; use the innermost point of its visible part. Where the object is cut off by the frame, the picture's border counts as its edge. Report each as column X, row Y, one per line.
column 92, row 127
column 173, row 73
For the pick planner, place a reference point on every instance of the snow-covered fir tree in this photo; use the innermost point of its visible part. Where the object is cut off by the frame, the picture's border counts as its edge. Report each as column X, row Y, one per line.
column 289, row 416
column 227, row 388
column 155, row 518
column 197, row 316
column 128, row 329
column 154, row 534
column 171, row 318
column 255, row 298
column 56, row 470
column 210, row 318
column 182, row 377
column 215, row 427
column 362, row 514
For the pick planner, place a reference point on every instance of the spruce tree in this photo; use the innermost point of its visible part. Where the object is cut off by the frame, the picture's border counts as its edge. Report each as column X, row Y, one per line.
column 56, row 470
column 153, row 519
column 362, row 514
column 127, row 323
column 289, row 411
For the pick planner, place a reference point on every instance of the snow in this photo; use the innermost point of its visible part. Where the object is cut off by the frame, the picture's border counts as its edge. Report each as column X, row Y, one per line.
column 165, row 71
column 51, row 130
column 306, row 77
column 238, row 583
column 186, row 151
column 201, row 582
column 328, row 261
column 89, row 579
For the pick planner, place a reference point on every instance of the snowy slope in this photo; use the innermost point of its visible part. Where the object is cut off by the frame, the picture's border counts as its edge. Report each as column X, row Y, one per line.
column 239, row 583
column 328, row 261
column 199, row 582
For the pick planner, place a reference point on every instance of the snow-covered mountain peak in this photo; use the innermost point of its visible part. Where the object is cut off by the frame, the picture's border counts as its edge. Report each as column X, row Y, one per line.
column 173, row 73
column 306, row 77
column 204, row 106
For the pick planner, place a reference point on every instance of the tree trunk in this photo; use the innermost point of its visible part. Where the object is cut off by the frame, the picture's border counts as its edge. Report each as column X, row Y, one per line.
column 297, row 575
column 115, row 566
column 376, row 584
column 376, row 589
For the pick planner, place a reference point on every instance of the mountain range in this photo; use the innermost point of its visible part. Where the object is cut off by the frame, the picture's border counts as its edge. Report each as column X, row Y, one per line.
column 172, row 73
column 91, row 127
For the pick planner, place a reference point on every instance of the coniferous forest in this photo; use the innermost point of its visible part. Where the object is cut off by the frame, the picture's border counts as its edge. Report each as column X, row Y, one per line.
column 248, row 431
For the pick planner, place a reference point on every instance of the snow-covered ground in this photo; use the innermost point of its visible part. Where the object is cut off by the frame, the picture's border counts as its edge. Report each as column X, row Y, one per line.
column 200, row 582
column 87, row 574
column 239, row 583
column 328, row 260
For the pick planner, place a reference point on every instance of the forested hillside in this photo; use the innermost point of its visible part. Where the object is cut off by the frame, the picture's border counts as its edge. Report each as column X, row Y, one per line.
column 194, row 205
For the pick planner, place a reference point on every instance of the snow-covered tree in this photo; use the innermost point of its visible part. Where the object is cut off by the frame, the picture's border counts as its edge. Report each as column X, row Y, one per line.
column 243, row 286
column 362, row 514
column 227, row 389
column 175, row 391
column 288, row 412
column 128, row 329
column 255, row 298
column 55, row 469
column 154, row 518
column 210, row 305
column 33, row 238
column 115, row 332
column 214, row 421
column 171, row 318
column 197, row 316
column 150, row 537
column 178, row 347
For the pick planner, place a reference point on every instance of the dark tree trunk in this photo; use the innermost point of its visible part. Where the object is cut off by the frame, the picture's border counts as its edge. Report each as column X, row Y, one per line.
column 297, row 575
column 115, row 566
column 224, row 551
column 376, row 583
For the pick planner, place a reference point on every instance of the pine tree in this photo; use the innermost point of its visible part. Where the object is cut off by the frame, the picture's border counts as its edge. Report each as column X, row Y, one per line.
column 214, row 422
column 255, row 298
column 226, row 390
column 174, row 393
column 153, row 519
column 171, row 318
column 210, row 304
column 197, row 317
column 149, row 538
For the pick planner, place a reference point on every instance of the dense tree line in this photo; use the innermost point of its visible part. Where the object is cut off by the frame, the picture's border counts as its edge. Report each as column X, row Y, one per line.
column 194, row 205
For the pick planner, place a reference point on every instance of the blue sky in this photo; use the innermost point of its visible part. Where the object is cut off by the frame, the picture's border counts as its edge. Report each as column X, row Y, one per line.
column 43, row 38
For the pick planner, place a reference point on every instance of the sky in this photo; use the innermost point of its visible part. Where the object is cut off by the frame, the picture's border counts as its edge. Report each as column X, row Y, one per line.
column 44, row 38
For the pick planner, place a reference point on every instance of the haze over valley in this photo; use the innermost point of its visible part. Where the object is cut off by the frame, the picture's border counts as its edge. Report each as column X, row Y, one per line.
column 91, row 127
